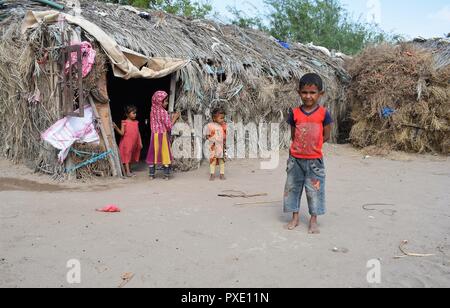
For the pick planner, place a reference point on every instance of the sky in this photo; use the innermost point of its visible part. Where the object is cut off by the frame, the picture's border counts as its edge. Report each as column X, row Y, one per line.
column 410, row 18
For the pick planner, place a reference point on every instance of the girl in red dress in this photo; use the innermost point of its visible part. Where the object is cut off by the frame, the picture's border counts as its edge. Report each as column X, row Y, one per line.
column 130, row 144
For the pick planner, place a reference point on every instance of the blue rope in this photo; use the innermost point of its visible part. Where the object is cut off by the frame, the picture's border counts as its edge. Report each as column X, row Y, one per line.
column 81, row 153
column 94, row 158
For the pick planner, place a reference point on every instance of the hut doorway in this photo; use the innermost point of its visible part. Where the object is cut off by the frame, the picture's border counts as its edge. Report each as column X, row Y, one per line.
column 137, row 92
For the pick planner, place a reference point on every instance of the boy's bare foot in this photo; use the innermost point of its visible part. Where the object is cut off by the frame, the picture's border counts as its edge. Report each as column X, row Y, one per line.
column 212, row 177
column 293, row 224
column 222, row 177
column 313, row 226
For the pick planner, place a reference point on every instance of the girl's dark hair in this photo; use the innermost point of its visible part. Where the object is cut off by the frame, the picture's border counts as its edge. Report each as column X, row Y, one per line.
column 311, row 80
column 129, row 109
column 217, row 111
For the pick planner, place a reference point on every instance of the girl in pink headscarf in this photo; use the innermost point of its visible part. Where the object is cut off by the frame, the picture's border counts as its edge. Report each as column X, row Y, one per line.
column 159, row 152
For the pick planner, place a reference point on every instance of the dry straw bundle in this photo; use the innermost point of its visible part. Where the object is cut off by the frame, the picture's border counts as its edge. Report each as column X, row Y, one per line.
column 400, row 99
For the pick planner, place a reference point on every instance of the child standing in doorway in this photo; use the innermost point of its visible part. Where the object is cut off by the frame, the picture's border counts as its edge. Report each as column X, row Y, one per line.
column 216, row 135
column 310, row 128
column 159, row 152
column 130, row 144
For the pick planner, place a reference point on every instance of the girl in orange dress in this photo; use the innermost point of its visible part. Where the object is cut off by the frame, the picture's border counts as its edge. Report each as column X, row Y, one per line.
column 216, row 135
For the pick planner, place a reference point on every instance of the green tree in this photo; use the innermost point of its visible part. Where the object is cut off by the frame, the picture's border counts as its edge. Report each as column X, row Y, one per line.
column 322, row 22
column 241, row 19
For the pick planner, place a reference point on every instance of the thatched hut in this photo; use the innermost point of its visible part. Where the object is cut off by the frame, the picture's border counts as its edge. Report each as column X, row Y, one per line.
column 202, row 64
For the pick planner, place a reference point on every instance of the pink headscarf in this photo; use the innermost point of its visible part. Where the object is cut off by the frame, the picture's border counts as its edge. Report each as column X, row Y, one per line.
column 159, row 118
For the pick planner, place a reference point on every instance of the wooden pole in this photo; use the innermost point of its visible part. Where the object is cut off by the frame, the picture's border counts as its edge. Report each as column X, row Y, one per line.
column 173, row 83
column 190, row 119
column 119, row 165
column 111, row 158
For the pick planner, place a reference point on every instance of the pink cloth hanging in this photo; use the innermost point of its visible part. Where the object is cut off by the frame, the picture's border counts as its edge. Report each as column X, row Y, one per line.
column 87, row 58
column 69, row 130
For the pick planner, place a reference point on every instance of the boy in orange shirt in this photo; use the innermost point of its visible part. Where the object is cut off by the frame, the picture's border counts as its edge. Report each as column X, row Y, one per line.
column 310, row 128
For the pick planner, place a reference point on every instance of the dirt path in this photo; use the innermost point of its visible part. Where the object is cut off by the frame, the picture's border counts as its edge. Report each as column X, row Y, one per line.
column 181, row 234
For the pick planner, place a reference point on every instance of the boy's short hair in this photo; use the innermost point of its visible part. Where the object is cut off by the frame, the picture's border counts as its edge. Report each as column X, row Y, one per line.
column 218, row 110
column 311, row 79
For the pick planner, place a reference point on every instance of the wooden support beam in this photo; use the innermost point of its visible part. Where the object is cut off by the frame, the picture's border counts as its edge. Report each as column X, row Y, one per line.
column 173, row 84
column 111, row 158
column 104, row 111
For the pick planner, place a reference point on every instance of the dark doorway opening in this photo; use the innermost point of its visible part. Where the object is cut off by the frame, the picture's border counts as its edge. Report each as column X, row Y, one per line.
column 137, row 92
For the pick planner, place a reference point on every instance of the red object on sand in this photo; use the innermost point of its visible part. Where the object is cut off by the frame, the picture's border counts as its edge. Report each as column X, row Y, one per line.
column 109, row 209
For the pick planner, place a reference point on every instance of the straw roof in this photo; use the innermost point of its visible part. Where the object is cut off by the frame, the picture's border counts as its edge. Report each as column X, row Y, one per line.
column 246, row 53
column 440, row 47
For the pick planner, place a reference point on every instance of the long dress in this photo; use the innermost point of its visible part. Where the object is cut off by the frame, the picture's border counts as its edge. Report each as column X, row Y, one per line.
column 130, row 143
column 159, row 152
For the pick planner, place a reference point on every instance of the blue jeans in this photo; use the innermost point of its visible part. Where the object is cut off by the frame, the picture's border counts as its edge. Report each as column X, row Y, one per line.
column 308, row 174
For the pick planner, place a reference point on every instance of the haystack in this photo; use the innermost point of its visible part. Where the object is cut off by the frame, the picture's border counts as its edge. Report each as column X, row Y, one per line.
column 400, row 97
column 247, row 72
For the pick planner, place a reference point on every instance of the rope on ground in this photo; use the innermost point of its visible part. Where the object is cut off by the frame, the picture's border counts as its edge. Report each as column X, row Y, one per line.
column 410, row 254
column 387, row 212
column 240, row 194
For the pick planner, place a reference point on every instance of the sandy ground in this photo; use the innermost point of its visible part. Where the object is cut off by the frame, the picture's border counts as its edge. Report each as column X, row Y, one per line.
column 181, row 234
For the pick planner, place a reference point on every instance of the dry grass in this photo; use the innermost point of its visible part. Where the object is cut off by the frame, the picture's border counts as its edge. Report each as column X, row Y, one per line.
column 405, row 79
